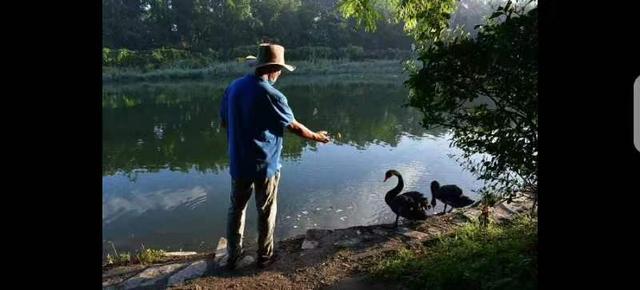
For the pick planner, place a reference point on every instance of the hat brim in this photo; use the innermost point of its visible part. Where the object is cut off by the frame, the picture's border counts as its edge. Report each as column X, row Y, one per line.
column 287, row 66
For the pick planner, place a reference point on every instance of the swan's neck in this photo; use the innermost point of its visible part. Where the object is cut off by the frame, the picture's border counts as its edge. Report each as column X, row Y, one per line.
column 435, row 191
column 396, row 190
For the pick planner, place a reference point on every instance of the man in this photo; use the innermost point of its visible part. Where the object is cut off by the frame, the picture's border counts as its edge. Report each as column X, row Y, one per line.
column 255, row 114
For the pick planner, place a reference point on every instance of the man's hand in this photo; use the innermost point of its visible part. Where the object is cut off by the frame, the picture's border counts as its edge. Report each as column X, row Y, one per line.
column 302, row 131
column 321, row 136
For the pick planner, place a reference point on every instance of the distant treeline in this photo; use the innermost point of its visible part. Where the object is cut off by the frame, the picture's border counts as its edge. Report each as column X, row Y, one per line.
column 179, row 58
column 226, row 26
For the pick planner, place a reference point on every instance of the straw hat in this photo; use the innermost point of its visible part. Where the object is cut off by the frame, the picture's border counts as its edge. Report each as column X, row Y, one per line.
column 269, row 54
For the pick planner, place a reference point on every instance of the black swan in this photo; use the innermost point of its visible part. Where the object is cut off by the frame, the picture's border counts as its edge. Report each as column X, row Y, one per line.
column 449, row 195
column 411, row 205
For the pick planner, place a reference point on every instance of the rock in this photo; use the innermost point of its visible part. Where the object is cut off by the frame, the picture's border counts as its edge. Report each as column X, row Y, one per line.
column 434, row 232
column 307, row 244
column 500, row 216
column 312, row 238
column 179, row 254
column 221, row 251
column 111, row 282
column 472, row 214
column 504, row 212
column 509, row 209
column 123, row 270
column 347, row 242
column 316, row 234
column 380, row 232
column 221, row 256
column 151, row 276
column 195, row 270
column 412, row 234
column 246, row 261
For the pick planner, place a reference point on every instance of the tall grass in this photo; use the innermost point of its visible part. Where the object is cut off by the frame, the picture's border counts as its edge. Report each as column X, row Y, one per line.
column 496, row 257
column 234, row 69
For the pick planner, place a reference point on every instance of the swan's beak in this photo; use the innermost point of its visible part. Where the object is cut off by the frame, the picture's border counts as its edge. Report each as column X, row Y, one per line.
column 385, row 179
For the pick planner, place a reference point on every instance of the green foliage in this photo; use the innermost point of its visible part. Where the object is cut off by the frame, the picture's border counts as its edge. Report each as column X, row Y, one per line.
column 489, row 199
column 176, row 59
column 158, row 58
column 363, row 11
column 231, row 69
column 149, row 256
column 425, row 20
column 352, row 52
column 311, row 53
column 486, row 90
column 243, row 51
column 475, row 257
column 167, row 55
column 119, row 259
column 198, row 25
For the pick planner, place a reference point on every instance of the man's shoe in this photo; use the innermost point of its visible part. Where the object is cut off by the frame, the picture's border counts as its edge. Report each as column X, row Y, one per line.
column 265, row 262
column 231, row 261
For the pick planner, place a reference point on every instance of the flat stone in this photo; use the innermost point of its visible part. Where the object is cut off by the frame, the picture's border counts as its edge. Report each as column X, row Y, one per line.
column 501, row 213
column 307, row 244
column 179, row 254
column 111, row 281
column 472, row 214
column 117, row 275
column 221, row 251
column 412, row 234
column 123, row 270
column 503, row 217
column 152, row 275
column 509, row 209
column 316, row 234
column 195, row 270
column 347, row 242
column 246, row 261
column 434, row 232
column 380, row 232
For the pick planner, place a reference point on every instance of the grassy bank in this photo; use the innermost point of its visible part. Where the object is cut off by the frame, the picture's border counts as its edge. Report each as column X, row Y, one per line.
column 498, row 257
column 352, row 69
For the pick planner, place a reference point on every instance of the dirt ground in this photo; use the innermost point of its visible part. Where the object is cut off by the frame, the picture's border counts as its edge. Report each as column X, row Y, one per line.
column 338, row 258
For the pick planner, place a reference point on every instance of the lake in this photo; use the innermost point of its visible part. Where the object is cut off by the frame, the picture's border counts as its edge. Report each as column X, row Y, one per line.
column 165, row 166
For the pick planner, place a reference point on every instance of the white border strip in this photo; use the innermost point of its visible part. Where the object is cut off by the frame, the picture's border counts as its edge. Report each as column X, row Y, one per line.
column 636, row 113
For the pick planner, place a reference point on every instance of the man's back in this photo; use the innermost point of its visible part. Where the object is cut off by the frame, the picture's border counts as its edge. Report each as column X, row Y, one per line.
column 256, row 114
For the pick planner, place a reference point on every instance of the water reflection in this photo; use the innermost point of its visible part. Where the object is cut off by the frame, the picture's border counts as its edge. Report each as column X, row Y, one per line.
column 165, row 179
column 176, row 127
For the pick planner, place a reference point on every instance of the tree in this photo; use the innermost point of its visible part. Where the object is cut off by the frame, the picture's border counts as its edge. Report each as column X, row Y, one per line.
column 184, row 12
column 484, row 88
column 222, row 25
column 122, row 23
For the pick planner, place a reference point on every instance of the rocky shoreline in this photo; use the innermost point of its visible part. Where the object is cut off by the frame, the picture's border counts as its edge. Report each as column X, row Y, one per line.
column 321, row 258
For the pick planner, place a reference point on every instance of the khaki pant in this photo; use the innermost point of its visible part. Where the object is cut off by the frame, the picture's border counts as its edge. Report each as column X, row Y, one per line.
column 266, row 203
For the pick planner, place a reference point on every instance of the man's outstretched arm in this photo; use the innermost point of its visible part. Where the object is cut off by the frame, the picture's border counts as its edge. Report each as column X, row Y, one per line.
column 299, row 129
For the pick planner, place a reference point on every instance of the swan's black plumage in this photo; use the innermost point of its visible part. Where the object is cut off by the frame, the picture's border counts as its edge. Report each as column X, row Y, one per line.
column 411, row 205
column 450, row 195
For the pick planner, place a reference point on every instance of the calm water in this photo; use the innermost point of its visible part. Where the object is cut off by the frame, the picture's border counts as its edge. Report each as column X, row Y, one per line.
column 165, row 169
